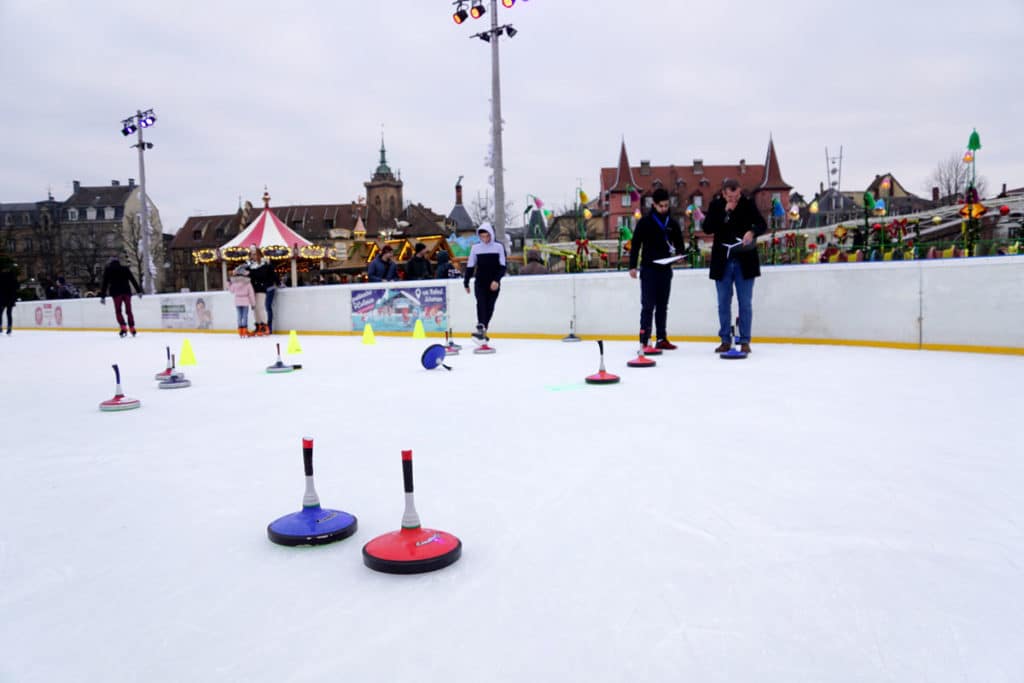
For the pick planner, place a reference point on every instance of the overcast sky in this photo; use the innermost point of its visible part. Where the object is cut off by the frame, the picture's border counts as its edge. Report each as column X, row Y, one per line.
column 293, row 95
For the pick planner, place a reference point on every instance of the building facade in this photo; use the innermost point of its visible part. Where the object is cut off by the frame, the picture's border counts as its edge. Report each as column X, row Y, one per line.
column 626, row 189
column 75, row 238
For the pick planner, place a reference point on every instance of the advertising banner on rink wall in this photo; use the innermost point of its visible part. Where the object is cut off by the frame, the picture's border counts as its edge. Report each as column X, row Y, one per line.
column 397, row 309
column 188, row 313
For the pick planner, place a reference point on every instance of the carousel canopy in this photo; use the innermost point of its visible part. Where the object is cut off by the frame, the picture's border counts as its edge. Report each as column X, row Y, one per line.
column 267, row 231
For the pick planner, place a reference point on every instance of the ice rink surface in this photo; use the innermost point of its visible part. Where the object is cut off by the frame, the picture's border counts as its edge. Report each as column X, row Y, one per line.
column 809, row 514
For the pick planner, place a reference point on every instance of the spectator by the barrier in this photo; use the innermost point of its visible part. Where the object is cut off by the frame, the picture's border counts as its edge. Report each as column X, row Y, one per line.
column 8, row 292
column 735, row 222
column 534, row 264
column 445, row 268
column 418, row 267
column 382, row 268
column 657, row 236
column 118, row 282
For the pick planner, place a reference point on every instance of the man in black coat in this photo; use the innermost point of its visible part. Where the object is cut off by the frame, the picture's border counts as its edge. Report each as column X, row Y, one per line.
column 736, row 223
column 657, row 236
column 8, row 292
column 418, row 267
column 118, row 282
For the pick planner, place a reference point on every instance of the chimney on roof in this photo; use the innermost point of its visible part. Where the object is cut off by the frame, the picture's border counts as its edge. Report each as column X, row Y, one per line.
column 743, row 166
column 821, row 189
column 698, row 166
column 75, row 185
column 1003, row 193
column 131, row 182
column 115, row 183
column 645, row 167
column 458, row 194
column 935, row 194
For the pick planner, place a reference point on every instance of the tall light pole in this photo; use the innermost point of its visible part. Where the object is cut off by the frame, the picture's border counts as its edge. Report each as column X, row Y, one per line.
column 135, row 124
column 497, row 157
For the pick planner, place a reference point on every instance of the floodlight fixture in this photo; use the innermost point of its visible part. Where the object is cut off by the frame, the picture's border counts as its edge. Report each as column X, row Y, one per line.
column 128, row 126
column 477, row 11
column 459, row 16
column 507, row 3
column 511, row 32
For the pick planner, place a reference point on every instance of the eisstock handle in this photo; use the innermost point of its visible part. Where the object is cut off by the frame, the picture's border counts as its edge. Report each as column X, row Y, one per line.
column 117, row 373
column 168, row 352
column 278, row 345
column 173, row 362
column 600, row 345
column 407, row 470
column 307, row 455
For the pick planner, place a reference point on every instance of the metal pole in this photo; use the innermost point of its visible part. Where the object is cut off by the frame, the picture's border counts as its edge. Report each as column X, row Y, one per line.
column 146, row 259
column 496, row 157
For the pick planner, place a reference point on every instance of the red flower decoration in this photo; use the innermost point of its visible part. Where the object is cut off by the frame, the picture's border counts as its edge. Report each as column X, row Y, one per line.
column 876, row 226
column 812, row 246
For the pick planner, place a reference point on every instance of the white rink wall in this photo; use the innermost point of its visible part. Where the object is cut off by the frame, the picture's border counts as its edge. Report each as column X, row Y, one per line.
column 928, row 303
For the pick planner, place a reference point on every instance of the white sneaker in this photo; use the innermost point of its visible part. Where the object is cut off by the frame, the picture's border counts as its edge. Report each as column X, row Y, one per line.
column 481, row 332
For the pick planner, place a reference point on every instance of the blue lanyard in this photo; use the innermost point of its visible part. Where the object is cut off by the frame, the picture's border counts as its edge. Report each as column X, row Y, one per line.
column 664, row 230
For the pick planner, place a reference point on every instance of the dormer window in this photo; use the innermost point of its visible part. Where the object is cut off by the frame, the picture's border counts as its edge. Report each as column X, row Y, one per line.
column 197, row 235
column 72, row 214
column 108, row 213
column 90, row 214
column 626, row 199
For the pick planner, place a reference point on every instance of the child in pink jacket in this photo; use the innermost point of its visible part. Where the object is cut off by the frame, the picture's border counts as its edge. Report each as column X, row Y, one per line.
column 245, row 297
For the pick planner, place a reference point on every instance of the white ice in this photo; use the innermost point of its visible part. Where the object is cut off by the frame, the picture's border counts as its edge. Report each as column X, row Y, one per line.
column 808, row 514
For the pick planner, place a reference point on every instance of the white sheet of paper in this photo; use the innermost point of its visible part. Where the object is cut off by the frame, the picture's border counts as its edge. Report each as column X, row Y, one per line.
column 669, row 259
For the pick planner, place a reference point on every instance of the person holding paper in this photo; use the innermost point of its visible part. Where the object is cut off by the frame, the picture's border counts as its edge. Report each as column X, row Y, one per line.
column 656, row 240
column 735, row 222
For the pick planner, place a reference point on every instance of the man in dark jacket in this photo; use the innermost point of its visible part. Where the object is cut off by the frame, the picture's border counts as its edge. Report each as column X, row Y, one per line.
column 382, row 268
column 8, row 292
column 736, row 223
column 118, row 282
column 418, row 267
column 657, row 237
column 445, row 269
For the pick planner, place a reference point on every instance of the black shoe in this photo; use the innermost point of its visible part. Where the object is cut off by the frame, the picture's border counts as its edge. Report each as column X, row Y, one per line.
column 481, row 332
column 133, row 331
column 122, row 334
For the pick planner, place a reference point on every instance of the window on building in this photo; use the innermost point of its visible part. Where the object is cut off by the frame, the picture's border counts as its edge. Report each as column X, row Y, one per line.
column 108, row 213
column 626, row 201
column 72, row 214
column 197, row 235
column 90, row 214
column 8, row 219
column 26, row 219
column 648, row 202
column 673, row 201
column 11, row 246
column 329, row 224
column 219, row 232
column 28, row 245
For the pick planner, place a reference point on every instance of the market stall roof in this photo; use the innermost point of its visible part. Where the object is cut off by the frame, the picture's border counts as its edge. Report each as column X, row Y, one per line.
column 267, row 231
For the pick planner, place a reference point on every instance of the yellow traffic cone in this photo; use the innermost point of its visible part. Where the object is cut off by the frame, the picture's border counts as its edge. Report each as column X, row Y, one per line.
column 186, row 357
column 293, row 343
column 417, row 332
column 368, row 334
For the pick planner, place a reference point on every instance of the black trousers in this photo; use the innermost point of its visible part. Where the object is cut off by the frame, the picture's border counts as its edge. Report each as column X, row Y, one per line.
column 655, row 287
column 485, row 299
column 9, row 308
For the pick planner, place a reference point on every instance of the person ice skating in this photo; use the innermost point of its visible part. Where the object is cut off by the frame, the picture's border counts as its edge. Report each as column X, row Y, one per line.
column 245, row 297
column 382, row 268
column 8, row 292
column 736, row 223
column 418, row 267
column 486, row 264
column 118, row 282
column 263, row 277
column 657, row 236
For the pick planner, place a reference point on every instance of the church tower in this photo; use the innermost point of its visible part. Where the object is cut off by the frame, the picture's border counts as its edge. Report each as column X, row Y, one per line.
column 384, row 190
